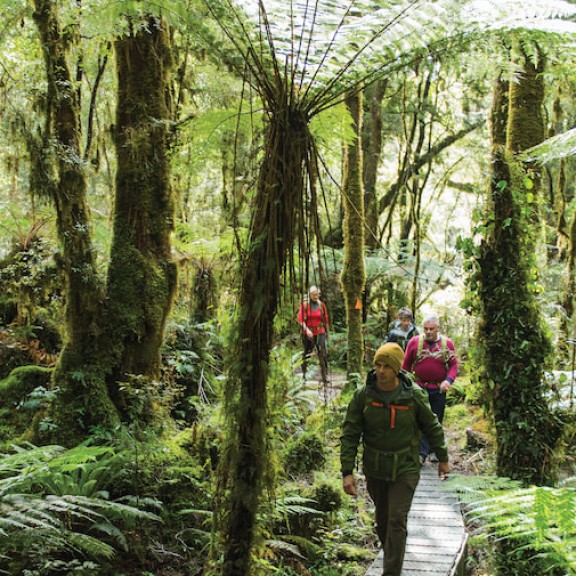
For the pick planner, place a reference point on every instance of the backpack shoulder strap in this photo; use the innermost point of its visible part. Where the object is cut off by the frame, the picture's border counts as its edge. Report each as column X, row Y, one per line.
column 444, row 345
column 419, row 350
column 443, row 348
column 324, row 314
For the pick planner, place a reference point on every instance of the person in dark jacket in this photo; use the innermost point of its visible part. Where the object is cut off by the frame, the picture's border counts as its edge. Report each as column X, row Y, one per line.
column 403, row 328
column 387, row 416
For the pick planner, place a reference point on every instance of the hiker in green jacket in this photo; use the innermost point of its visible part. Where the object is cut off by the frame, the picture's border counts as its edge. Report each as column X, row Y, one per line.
column 388, row 415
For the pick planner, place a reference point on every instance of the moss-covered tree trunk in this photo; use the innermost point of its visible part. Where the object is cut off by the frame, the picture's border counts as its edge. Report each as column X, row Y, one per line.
column 353, row 270
column 516, row 346
column 372, row 151
column 570, row 289
column 82, row 399
column 277, row 206
column 142, row 275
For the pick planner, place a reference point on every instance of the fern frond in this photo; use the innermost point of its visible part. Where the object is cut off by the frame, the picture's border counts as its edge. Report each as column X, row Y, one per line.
column 328, row 48
column 304, row 544
column 295, row 505
column 89, row 545
column 559, row 146
column 284, row 546
column 57, row 500
column 540, row 518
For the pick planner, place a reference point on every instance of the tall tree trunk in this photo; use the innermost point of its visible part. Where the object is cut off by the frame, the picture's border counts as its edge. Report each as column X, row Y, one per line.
column 570, row 290
column 82, row 400
column 515, row 341
column 278, row 205
column 353, row 270
column 372, row 151
column 142, row 275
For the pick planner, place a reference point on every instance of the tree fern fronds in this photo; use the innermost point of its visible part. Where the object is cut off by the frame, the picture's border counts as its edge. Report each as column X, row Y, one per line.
column 25, row 457
column 559, row 146
column 473, row 488
column 328, row 47
column 542, row 517
column 284, row 546
column 493, row 10
column 89, row 545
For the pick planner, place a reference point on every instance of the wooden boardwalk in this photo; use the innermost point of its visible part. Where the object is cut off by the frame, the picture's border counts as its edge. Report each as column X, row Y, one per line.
column 437, row 537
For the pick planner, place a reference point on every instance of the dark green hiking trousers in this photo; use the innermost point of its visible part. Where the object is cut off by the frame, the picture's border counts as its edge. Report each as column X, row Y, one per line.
column 392, row 501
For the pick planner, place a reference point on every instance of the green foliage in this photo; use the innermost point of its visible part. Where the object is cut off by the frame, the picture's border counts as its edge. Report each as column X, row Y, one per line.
column 29, row 274
column 290, row 399
column 328, row 495
column 534, row 528
column 305, row 453
column 23, row 394
column 300, row 518
column 458, row 392
column 56, row 512
column 192, row 354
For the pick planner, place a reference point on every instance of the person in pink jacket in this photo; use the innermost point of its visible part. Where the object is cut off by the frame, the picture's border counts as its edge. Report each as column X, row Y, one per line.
column 433, row 361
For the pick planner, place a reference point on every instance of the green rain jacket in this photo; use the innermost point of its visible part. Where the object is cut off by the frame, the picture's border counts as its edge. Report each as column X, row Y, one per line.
column 389, row 424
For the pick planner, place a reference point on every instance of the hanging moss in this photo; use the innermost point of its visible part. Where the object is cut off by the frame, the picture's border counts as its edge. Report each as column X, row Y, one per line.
column 277, row 211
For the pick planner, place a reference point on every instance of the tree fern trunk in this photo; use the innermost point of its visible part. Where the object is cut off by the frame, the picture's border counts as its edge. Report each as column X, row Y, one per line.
column 277, row 205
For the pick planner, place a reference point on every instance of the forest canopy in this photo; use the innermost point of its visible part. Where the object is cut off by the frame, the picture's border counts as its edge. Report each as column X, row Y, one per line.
column 177, row 174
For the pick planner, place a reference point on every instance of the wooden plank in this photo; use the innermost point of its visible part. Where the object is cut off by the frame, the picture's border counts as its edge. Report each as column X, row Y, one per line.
column 437, row 538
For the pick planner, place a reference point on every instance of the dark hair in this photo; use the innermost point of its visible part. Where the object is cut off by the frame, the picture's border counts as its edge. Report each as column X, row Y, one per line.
column 405, row 313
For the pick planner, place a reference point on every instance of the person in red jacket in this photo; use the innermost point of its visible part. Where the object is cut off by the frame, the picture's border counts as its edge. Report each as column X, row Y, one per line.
column 313, row 317
column 433, row 361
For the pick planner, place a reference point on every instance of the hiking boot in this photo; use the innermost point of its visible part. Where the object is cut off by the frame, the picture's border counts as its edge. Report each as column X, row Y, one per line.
column 433, row 457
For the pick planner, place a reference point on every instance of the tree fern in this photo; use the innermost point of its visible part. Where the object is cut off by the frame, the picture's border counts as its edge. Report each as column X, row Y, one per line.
column 55, row 502
column 326, row 48
column 539, row 520
column 559, row 146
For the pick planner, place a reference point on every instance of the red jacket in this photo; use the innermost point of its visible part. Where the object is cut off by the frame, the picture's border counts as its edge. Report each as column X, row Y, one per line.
column 317, row 320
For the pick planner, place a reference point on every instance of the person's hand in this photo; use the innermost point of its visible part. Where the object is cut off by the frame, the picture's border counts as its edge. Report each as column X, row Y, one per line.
column 308, row 332
column 349, row 485
column 443, row 469
column 444, row 386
